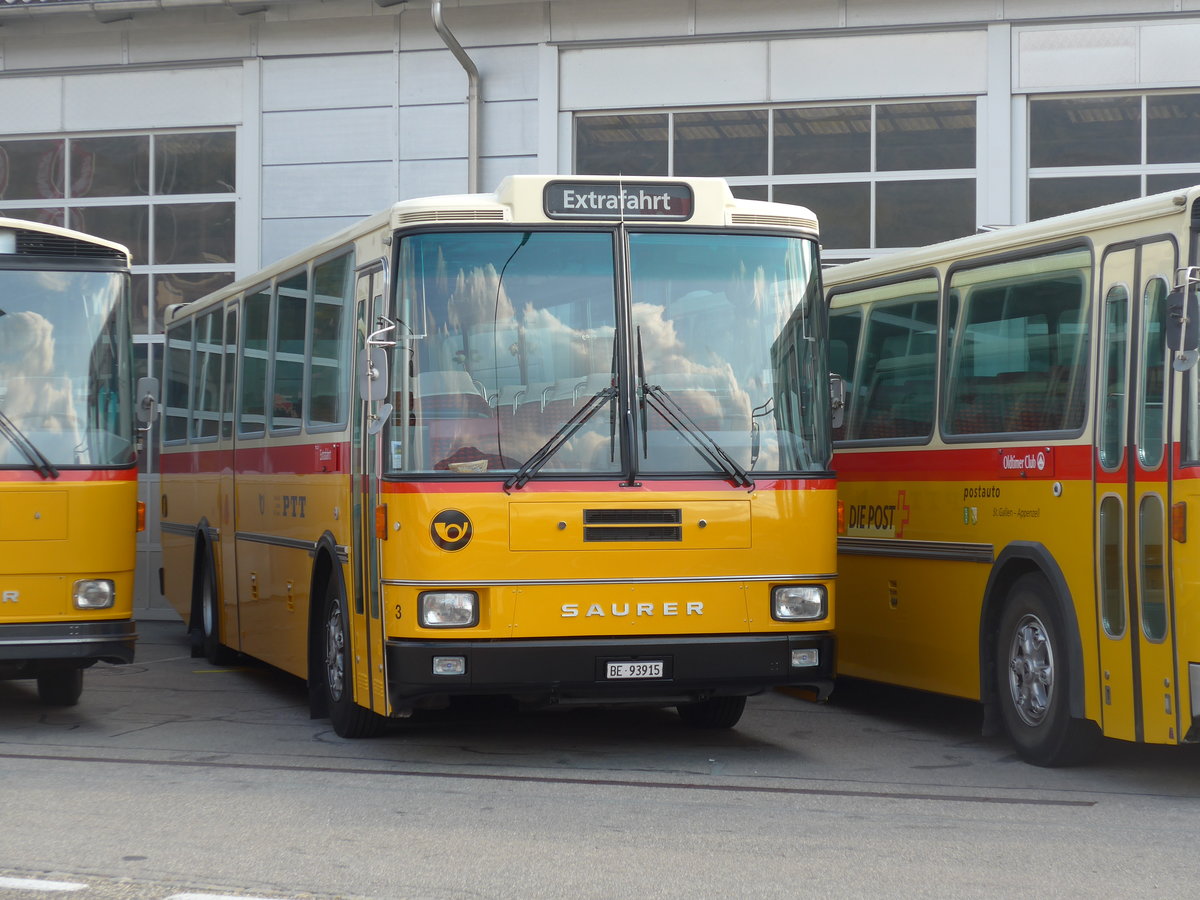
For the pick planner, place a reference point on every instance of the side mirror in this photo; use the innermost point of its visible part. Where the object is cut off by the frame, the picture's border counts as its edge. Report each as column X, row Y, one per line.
column 1183, row 327
column 147, row 400
column 837, row 400
column 373, row 376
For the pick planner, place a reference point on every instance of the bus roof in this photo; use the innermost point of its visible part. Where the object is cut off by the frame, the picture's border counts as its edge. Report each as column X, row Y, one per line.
column 41, row 239
column 1015, row 237
column 521, row 198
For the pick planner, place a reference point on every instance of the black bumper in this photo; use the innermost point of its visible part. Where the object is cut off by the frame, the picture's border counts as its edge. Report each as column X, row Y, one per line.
column 556, row 669
column 86, row 642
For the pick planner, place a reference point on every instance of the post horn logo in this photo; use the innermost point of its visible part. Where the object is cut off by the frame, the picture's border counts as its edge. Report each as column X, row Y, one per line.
column 450, row 530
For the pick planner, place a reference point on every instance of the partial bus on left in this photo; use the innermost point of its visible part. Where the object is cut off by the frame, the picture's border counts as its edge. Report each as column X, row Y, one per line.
column 69, row 513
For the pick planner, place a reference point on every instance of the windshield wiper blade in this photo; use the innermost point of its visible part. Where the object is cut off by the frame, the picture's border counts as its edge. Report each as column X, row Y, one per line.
column 704, row 443
column 531, row 466
column 37, row 460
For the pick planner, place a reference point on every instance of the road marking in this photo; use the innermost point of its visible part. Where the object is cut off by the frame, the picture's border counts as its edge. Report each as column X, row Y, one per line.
column 36, row 884
column 215, row 897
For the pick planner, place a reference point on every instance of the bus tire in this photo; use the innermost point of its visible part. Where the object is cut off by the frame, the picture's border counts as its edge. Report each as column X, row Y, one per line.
column 60, row 687
column 716, row 712
column 349, row 719
column 210, row 614
column 1033, row 678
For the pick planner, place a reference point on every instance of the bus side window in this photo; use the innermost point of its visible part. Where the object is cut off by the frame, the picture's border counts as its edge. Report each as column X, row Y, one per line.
column 844, row 328
column 898, row 372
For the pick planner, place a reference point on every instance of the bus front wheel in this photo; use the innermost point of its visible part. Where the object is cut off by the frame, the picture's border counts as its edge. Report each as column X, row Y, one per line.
column 1033, row 678
column 60, row 687
column 349, row 719
column 210, row 614
column 716, row 712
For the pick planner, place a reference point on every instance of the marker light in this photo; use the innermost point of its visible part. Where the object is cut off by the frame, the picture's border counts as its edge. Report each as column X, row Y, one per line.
column 798, row 602
column 449, row 665
column 804, row 658
column 94, row 593
column 449, row 609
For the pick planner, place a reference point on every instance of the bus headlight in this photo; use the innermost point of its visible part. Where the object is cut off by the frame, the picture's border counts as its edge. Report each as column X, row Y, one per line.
column 798, row 602
column 94, row 593
column 449, row 609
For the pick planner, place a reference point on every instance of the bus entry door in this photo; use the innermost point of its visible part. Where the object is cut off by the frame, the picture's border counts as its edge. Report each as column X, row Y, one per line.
column 366, row 632
column 1139, row 696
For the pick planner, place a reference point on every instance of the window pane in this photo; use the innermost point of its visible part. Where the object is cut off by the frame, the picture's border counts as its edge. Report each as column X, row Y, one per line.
column 621, row 145
column 1152, row 424
column 1056, row 196
column 231, row 358
column 725, row 142
column 843, row 210
column 173, row 288
column 1085, row 131
column 1111, row 568
column 1158, row 184
column 110, row 166
column 31, row 170
column 52, row 215
column 844, row 328
column 327, row 388
column 750, row 191
column 1173, row 128
column 126, row 225
column 895, row 390
column 252, row 407
column 499, row 367
column 823, row 139
column 290, row 328
column 925, row 136
column 195, row 163
column 1112, row 413
column 1152, row 568
column 194, row 233
column 206, row 381
column 915, row 213
column 178, row 378
column 1019, row 361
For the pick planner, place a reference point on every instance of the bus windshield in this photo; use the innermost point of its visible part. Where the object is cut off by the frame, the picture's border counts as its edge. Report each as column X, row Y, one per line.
column 530, row 351
column 65, row 381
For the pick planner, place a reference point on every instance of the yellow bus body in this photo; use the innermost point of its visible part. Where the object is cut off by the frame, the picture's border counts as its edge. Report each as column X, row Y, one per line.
column 69, row 509
column 572, row 578
column 941, row 524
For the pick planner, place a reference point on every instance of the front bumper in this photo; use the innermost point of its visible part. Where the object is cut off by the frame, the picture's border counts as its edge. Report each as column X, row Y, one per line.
column 85, row 642
column 555, row 670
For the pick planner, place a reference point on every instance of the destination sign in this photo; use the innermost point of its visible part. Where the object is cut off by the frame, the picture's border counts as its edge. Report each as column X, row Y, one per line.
column 617, row 201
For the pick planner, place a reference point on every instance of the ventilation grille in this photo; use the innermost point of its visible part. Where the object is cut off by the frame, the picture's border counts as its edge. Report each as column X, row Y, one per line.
column 452, row 215
column 632, row 525
column 773, row 221
column 37, row 243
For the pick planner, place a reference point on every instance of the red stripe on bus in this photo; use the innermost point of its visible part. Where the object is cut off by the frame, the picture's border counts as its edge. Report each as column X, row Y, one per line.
column 604, row 487
column 302, row 459
column 967, row 463
column 69, row 475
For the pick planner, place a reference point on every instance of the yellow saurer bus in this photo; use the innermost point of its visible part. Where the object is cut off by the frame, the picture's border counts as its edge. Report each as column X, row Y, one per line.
column 69, row 513
column 567, row 442
column 1020, row 472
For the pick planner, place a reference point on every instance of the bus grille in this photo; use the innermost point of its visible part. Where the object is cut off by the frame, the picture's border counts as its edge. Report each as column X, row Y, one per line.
column 634, row 525
column 36, row 243
column 775, row 221
column 453, row 215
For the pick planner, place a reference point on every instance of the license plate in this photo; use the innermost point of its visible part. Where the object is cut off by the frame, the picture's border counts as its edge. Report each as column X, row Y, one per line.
column 646, row 668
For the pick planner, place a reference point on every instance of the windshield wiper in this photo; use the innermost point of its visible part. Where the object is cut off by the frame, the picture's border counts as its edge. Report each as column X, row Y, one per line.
column 531, row 466
column 657, row 397
column 37, row 460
